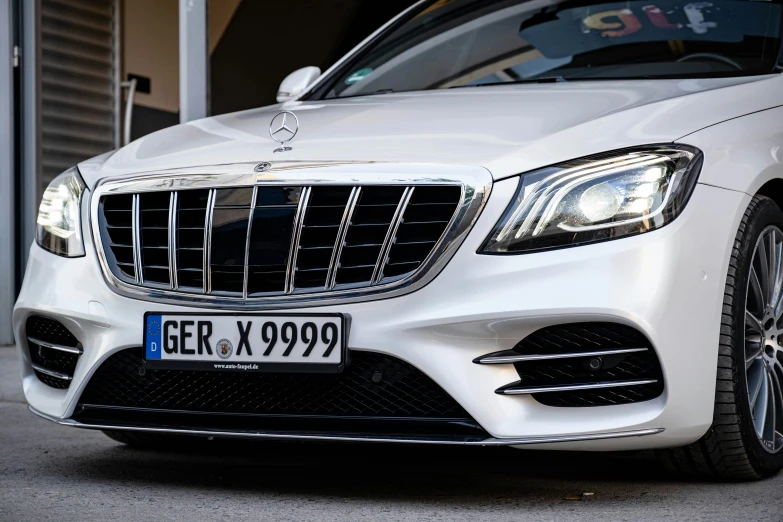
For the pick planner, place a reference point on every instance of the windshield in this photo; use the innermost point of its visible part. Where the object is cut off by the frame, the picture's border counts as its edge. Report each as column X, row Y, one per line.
column 465, row 43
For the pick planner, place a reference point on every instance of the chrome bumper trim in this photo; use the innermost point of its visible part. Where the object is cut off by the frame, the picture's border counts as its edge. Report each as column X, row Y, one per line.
column 344, row 438
column 58, row 347
column 51, row 373
column 514, row 389
column 510, row 357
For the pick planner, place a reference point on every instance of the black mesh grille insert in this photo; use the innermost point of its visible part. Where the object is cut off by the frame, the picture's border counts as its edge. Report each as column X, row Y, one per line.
column 372, row 385
column 372, row 217
column 270, row 238
column 52, row 382
column 154, row 237
column 586, row 337
column 191, row 219
column 426, row 217
column 48, row 330
column 325, row 213
column 117, row 234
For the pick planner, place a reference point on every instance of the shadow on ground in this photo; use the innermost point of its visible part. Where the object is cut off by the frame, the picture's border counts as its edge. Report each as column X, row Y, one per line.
column 50, row 472
column 372, row 470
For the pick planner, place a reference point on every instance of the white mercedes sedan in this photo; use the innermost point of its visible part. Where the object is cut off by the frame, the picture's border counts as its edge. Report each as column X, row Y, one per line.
column 535, row 223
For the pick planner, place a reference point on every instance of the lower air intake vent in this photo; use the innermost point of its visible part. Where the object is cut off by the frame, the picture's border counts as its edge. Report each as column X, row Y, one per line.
column 376, row 393
column 583, row 364
column 54, row 351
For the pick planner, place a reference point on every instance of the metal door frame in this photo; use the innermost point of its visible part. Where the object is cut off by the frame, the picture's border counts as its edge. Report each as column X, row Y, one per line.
column 8, row 167
column 30, row 123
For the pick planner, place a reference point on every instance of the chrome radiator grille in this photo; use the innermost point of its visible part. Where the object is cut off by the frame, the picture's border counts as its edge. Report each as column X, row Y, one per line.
column 277, row 240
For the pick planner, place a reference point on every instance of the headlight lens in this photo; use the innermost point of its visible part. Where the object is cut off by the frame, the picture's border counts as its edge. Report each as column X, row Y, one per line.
column 596, row 199
column 59, row 228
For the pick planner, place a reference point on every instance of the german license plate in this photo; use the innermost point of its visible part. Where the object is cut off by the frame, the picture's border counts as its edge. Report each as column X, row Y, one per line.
column 246, row 343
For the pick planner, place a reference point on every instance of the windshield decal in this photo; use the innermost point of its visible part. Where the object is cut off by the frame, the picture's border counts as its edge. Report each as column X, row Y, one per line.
column 358, row 76
column 578, row 30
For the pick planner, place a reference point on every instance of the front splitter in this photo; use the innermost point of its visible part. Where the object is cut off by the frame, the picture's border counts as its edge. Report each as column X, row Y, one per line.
column 339, row 437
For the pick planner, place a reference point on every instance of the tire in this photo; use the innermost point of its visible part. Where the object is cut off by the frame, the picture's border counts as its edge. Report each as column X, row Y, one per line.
column 731, row 449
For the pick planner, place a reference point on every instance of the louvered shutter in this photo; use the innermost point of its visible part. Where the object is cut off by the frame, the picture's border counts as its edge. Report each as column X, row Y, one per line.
column 78, row 83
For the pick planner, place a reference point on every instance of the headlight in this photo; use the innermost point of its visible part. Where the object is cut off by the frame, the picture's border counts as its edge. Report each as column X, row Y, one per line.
column 59, row 228
column 596, row 199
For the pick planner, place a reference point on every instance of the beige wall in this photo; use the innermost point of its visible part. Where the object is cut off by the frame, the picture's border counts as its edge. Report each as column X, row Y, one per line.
column 150, row 45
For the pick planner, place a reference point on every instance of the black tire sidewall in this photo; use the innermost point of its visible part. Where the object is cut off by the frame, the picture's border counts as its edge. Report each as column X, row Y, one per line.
column 765, row 214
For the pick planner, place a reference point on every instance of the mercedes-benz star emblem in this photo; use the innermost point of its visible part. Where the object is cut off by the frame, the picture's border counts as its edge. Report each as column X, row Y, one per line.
column 264, row 166
column 283, row 129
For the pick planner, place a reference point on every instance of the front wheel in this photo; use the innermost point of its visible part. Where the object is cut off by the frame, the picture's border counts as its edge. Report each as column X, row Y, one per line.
column 745, row 441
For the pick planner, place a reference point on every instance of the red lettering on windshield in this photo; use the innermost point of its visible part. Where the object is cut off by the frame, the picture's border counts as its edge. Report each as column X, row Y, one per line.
column 626, row 22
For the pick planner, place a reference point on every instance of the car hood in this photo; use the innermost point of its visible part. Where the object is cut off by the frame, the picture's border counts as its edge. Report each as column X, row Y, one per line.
column 506, row 129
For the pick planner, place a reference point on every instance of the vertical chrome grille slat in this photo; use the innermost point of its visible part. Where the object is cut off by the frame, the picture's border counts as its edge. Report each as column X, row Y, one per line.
column 340, row 241
column 299, row 217
column 173, row 241
column 247, row 241
column 208, row 242
column 391, row 235
column 136, row 234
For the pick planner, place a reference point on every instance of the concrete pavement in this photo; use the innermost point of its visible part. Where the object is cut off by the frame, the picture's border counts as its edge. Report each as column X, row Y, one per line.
column 51, row 472
column 10, row 377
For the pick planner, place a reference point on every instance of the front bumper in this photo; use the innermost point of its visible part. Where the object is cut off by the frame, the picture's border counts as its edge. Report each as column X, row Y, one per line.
column 668, row 284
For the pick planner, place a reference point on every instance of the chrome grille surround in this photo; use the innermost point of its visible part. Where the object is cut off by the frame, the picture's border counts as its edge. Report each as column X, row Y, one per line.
column 475, row 184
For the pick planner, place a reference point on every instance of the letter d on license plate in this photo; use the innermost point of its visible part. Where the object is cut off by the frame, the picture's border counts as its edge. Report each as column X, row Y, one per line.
column 307, row 343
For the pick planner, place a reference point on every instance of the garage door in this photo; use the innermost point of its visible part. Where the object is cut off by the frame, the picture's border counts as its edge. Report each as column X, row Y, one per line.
column 77, row 91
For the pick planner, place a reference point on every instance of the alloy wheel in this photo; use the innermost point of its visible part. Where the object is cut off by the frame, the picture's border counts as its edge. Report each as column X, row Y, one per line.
column 764, row 339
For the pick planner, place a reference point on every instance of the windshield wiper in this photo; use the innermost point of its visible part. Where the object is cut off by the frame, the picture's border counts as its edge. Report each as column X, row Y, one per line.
column 542, row 79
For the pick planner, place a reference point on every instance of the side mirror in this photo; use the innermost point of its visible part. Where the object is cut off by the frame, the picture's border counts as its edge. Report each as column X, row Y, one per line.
column 297, row 82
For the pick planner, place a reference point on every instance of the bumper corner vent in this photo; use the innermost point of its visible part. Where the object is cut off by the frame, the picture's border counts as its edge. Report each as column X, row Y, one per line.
column 54, row 351
column 583, row 364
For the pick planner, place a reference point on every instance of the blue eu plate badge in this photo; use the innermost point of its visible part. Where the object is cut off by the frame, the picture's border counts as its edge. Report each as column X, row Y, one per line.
column 153, row 336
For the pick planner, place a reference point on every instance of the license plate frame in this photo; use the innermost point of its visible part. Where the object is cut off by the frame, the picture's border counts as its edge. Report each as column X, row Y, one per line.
column 258, row 366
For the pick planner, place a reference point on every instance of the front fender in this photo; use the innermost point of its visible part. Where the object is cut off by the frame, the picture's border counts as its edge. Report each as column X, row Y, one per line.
column 742, row 154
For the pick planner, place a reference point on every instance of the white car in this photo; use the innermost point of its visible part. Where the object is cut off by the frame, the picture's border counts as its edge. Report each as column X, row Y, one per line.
column 524, row 223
